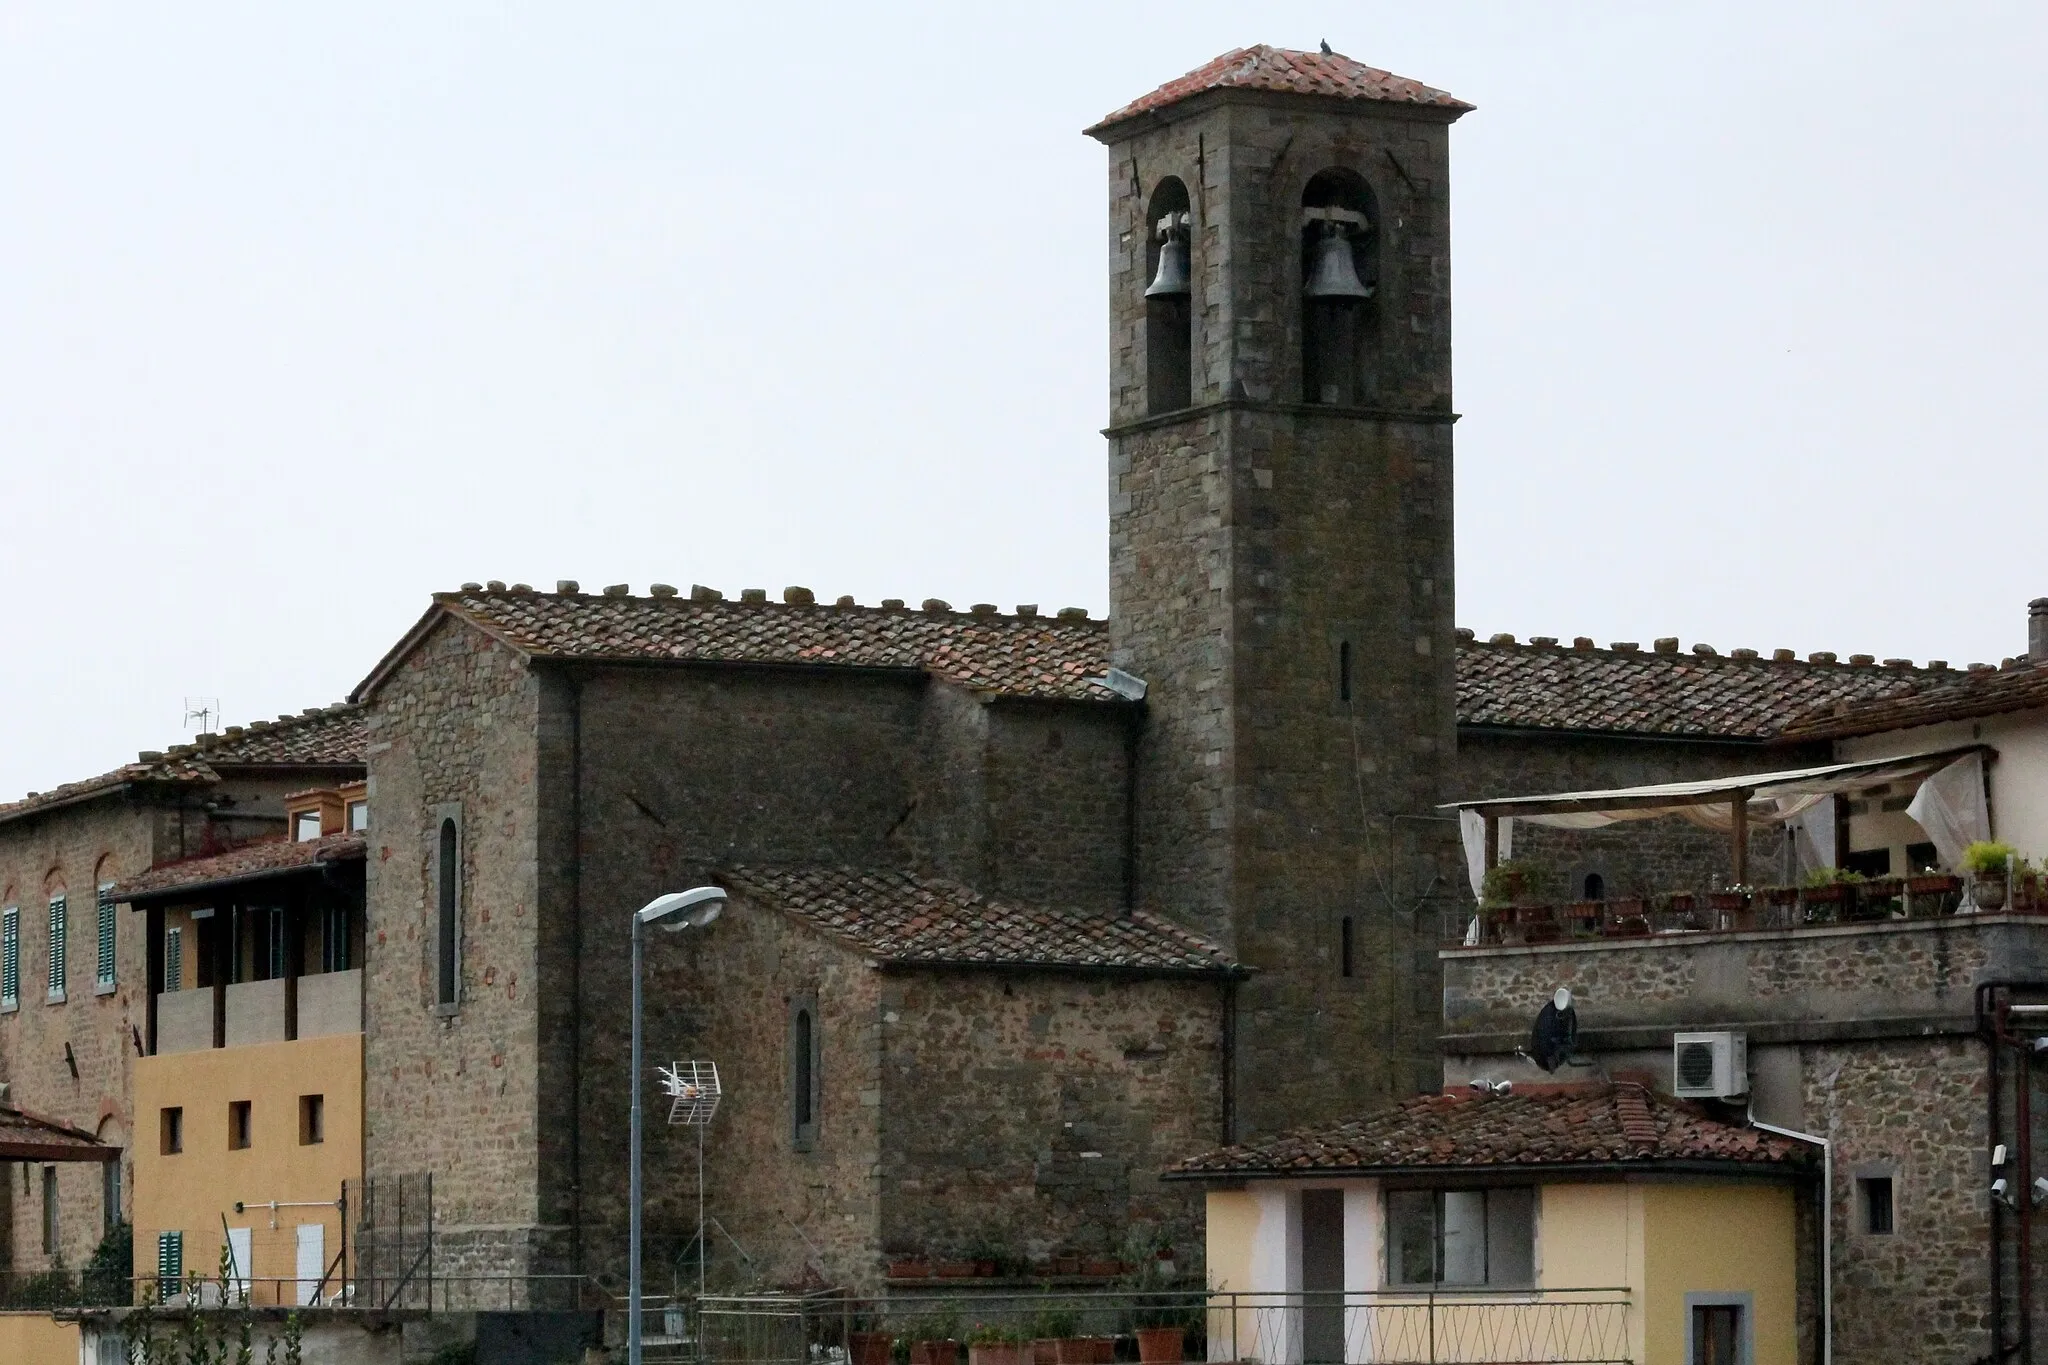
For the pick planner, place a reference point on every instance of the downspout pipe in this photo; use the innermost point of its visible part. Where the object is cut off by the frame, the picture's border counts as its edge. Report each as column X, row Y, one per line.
column 1827, row 1231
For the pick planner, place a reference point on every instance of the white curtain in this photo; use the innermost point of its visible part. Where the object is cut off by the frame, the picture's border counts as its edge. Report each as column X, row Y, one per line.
column 1472, row 831
column 1950, row 807
column 1813, row 835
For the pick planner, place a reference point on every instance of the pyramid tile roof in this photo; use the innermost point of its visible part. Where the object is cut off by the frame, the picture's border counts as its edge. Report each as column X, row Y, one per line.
column 905, row 918
column 1299, row 73
column 1537, row 1127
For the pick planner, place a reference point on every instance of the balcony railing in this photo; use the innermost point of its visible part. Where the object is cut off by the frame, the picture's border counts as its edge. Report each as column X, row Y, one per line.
column 1579, row 1326
column 261, row 1011
column 1779, row 907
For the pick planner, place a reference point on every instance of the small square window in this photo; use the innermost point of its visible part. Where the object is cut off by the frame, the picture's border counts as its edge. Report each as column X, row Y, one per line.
column 358, row 815
column 171, row 1131
column 306, row 826
column 1874, row 1194
column 238, row 1124
column 312, row 1120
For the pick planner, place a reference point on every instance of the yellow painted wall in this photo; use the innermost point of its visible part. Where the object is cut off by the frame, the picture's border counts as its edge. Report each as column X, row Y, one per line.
column 36, row 1339
column 1715, row 1237
column 191, row 1191
column 1233, row 1225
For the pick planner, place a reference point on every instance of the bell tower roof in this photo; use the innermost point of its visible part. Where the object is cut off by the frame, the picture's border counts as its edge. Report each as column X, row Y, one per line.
column 1277, row 69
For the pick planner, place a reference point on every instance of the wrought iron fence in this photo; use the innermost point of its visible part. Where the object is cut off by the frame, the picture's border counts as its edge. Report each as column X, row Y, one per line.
column 940, row 1327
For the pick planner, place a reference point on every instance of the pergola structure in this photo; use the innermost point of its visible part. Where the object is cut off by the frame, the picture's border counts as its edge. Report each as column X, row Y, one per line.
column 1948, row 779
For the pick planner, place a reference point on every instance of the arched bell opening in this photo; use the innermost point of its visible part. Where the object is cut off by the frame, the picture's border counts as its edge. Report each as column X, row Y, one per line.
column 1339, row 279
column 1169, row 300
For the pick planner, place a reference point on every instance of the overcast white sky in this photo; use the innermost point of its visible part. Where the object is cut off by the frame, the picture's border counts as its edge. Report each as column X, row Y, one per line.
column 306, row 312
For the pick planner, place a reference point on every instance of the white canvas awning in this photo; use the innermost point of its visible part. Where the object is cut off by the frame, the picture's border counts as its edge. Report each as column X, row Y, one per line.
column 1732, row 804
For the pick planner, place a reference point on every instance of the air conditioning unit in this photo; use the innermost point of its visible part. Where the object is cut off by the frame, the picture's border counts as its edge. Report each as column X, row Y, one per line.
column 1709, row 1066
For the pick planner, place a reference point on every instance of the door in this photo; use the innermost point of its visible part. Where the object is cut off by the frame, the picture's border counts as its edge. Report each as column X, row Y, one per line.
column 238, row 1247
column 1716, row 1334
column 312, row 1262
column 1322, row 1276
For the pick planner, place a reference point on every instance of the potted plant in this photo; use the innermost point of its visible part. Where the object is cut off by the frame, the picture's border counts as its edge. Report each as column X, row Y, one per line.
column 934, row 1339
column 1054, row 1340
column 1824, row 891
column 990, row 1344
column 1730, row 905
column 1627, row 917
column 867, row 1346
column 1505, row 883
column 910, row 1268
column 1878, row 898
column 1989, row 862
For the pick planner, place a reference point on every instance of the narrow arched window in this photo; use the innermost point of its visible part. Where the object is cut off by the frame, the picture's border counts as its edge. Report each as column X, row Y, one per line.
column 1344, row 670
column 1596, row 887
column 1339, row 278
column 447, row 896
column 803, row 1072
column 1169, row 299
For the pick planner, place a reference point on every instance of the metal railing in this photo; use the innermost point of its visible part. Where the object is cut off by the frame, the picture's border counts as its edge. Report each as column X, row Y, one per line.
column 72, row 1289
column 938, row 1327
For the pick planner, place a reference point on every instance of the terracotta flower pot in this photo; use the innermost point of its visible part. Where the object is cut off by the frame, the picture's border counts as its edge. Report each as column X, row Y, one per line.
column 869, row 1348
column 910, row 1270
column 1160, row 1345
column 1074, row 1351
column 998, row 1353
column 954, row 1270
column 985, row 1269
column 1102, row 1269
column 1044, row 1350
column 1105, row 1349
column 1933, row 884
column 1066, row 1265
column 935, row 1353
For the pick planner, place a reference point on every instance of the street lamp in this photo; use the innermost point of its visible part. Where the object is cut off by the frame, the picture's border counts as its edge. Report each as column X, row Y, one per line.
column 676, row 911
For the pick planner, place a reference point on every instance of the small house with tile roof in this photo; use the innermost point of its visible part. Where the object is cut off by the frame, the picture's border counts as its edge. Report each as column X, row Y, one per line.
column 1564, row 1222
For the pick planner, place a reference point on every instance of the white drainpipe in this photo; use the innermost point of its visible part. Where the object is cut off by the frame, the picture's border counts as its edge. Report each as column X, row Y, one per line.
column 1827, row 1232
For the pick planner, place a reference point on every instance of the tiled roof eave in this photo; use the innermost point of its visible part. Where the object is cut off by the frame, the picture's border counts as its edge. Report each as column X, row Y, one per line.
column 1673, row 735
column 1121, row 125
column 1062, row 966
column 1508, row 1171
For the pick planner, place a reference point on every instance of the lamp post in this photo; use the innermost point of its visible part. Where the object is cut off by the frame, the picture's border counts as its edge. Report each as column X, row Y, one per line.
column 676, row 911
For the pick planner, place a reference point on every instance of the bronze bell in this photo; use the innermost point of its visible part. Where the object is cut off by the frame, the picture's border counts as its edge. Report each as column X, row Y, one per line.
column 1171, row 279
column 1335, row 275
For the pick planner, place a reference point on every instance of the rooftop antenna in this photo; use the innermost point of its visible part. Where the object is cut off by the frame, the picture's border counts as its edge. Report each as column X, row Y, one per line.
column 694, row 1092
column 205, row 711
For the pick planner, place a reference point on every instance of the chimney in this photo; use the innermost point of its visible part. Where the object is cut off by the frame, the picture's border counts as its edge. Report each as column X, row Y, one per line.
column 2037, row 631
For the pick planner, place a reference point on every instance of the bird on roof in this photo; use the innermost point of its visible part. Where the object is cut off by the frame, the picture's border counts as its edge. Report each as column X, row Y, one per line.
column 1327, row 52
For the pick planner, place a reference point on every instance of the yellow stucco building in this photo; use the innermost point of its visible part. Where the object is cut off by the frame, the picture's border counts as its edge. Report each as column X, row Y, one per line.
column 1583, row 1222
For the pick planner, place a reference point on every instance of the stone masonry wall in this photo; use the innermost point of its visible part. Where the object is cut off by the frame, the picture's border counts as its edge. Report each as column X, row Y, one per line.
column 1058, row 798
column 456, row 1093
column 1026, row 1114
column 74, row 848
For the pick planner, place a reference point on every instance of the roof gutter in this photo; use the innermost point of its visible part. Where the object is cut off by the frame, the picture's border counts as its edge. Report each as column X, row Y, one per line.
column 1756, row 1170
column 142, row 899
column 1827, row 1231
column 1231, row 972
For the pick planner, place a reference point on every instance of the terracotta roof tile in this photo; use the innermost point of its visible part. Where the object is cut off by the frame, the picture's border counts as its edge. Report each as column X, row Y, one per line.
column 1555, row 687
column 268, row 858
column 1300, row 73
column 1023, row 656
column 31, row 1137
column 1542, row 1126
column 1961, row 696
column 903, row 918
column 332, row 736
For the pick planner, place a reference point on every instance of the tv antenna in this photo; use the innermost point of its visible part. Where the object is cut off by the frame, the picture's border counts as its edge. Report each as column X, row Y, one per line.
column 694, row 1092
column 205, row 711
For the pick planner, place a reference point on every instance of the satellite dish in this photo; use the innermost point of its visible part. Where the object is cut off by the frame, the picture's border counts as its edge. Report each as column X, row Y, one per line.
column 1556, row 1034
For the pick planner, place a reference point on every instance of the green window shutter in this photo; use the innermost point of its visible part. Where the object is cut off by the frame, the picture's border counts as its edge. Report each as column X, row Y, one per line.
column 104, row 973
column 170, row 1263
column 10, row 956
column 57, row 945
column 174, row 959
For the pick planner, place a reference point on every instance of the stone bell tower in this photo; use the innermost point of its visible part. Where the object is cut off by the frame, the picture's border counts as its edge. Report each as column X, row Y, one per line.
column 1280, row 550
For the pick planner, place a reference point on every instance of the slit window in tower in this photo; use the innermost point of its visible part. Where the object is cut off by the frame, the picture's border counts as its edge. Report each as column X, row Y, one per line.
column 1346, row 961
column 1339, row 278
column 1169, row 300
column 1344, row 670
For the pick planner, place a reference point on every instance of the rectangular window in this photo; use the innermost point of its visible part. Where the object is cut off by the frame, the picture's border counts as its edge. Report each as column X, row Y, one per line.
column 238, row 1124
column 1346, row 963
column 57, row 947
column 174, row 959
column 1461, row 1237
column 50, row 1226
column 1716, row 1332
column 335, row 935
column 171, row 1130
column 358, row 816
column 312, row 1120
column 1874, row 1194
column 110, row 1195
column 306, row 826
column 10, row 957
column 103, row 969
column 170, row 1263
